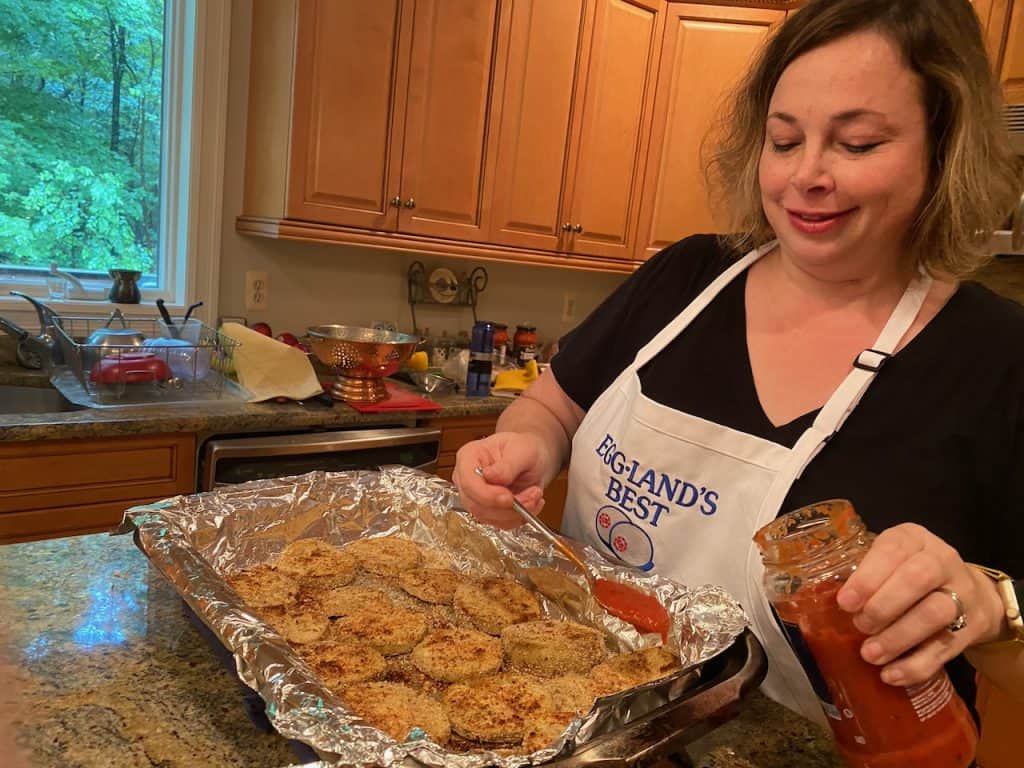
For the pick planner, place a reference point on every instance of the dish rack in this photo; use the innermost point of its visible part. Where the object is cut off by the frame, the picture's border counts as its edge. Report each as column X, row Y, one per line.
column 186, row 372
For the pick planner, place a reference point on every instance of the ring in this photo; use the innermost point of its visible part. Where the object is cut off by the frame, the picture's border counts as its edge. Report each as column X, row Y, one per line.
column 961, row 613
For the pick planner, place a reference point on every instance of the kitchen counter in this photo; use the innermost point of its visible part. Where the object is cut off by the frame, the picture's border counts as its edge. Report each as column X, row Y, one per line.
column 210, row 416
column 108, row 672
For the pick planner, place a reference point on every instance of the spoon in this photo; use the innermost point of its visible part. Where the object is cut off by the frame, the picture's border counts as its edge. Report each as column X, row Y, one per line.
column 641, row 610
column 550, row 535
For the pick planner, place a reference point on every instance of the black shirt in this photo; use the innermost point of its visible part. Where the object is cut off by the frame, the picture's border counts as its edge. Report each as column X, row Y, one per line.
column 938, row 439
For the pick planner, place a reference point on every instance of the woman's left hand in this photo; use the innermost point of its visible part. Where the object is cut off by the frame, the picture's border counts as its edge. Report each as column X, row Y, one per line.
column 897, row 600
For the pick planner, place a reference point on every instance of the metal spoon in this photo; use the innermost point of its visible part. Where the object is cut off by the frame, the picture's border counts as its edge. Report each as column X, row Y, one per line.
column 627, row 602
column 548, row 534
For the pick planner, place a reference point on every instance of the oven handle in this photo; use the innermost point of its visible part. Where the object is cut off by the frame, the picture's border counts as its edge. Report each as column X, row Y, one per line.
column 341, row 441
column 678, row 723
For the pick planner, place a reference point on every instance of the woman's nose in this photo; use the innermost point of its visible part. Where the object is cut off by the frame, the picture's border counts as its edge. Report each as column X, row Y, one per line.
column 812, row 172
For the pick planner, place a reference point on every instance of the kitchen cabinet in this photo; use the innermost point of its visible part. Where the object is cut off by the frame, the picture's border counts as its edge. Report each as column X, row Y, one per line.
column 64, row 487
column 456, row 432
column 576, row 103
column 388, row 124
column 611, row 127
column 1001, row 717
column 706, row 49
column 1011, row 62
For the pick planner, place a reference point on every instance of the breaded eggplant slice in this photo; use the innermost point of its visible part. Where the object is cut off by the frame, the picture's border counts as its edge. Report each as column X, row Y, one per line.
column 341, row 664
column 295, row 625
column 316, row 560
column 496, row 709
column 385, row 556
column 343, row 601
column 262, row 587
column 628, row 670
column 548, row 647
column 431, row 585
column 545, row 728
column 389, row 630
column 492, row 604
column 398, row 710
column 455, row 654
column 572, row 693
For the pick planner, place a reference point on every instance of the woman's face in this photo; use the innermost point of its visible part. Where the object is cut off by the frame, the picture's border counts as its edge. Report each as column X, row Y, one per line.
column 845, row 158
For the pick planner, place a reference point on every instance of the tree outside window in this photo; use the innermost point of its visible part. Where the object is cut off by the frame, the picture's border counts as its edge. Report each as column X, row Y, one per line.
column 80, row 117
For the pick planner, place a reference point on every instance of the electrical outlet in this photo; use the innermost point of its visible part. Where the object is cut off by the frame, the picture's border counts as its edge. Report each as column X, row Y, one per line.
column 568, row 306
column 255, row 290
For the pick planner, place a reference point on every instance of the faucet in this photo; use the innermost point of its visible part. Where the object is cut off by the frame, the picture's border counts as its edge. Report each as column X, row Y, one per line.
column 42, row 351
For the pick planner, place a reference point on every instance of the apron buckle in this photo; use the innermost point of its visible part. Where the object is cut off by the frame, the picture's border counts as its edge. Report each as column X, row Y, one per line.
column 877, row 358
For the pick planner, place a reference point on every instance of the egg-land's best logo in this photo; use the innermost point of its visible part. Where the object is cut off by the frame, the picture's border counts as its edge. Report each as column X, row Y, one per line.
column 641, row 498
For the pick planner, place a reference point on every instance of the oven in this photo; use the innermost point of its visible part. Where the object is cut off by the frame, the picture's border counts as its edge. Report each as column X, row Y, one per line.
column 230, row 459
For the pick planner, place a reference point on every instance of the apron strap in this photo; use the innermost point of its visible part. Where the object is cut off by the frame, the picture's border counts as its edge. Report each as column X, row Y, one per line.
column 846, row 397
column 695, row 307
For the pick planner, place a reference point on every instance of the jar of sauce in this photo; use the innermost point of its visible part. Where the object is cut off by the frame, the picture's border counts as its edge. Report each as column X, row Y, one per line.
column 808, row 555
column 500, row 344
column 524, row 344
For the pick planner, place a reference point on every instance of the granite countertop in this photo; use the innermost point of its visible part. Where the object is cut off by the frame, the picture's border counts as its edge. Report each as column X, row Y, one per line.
column 109, row 672
column 211, row 416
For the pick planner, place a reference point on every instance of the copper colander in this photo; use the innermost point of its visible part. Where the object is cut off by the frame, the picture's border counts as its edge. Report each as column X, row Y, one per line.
column 360, row 358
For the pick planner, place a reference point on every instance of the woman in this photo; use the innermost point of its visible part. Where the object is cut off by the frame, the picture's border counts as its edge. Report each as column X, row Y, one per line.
column 863, row 158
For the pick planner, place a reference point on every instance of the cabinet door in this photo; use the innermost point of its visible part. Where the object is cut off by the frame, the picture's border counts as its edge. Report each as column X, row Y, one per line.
column 611, row 122
column 706, row 50
column 447, row 114
column 350, row 85
column 1011, row 71
column 541, row 43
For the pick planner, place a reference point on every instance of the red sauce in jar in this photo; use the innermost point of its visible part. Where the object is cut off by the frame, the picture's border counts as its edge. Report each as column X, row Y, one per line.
column 882, row 726
column 639, row 609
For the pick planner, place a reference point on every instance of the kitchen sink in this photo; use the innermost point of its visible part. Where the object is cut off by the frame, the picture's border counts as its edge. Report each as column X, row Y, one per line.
column 16, row 399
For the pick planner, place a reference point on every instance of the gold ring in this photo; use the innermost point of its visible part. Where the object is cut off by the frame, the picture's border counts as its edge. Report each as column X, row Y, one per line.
column 961, row 613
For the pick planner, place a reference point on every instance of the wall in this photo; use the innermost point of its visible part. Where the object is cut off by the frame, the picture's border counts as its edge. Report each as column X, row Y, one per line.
column 309, row 284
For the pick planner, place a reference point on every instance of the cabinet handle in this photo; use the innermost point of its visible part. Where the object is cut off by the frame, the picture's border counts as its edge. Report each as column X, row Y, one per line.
column 396, row 202
column 578, row 228
column 566, row 227
column 410, row 203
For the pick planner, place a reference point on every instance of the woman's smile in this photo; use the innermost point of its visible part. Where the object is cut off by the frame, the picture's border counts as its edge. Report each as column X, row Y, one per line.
column 818, row 222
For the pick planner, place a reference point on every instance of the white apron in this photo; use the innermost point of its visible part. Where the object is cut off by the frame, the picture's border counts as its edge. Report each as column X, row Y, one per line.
column 661, row 489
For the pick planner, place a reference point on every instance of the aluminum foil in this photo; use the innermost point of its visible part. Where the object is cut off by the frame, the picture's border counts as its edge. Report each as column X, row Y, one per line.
column 196, row 539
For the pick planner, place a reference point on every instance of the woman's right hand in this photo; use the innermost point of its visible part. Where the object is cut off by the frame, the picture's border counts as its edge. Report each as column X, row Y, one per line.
column 513, row 464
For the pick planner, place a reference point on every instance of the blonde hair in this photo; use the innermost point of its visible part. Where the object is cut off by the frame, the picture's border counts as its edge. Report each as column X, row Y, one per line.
column 974, row 177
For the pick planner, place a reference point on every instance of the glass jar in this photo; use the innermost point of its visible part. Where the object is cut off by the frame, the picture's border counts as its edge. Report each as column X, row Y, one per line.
column 481, row 352
column 500, row 344
column 524, row 344
column 808, row 555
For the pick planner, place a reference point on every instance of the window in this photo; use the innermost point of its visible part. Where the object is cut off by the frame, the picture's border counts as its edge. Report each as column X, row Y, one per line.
column 102, row 120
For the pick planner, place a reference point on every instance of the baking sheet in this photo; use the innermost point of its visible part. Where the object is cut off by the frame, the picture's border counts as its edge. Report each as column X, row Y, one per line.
column 195, row 540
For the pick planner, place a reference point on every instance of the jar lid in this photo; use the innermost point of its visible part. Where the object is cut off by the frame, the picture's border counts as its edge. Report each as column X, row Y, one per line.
column 526, row 327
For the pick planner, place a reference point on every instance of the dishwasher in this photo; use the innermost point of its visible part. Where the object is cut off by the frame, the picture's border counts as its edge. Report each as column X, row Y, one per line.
column 226, row 460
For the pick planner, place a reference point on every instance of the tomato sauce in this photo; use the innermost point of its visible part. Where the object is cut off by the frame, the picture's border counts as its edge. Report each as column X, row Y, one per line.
column 878, row 725
column 639, row 609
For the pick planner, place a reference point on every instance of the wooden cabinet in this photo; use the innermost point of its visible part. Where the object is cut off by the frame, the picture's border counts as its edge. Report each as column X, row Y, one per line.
column 611, row 126
column 63, row 487
column 575, row 101
column 390, row 116
column 706, row 50
column 1001, row 718
column 456, row 432
column 541, row 43
column 1011, row 61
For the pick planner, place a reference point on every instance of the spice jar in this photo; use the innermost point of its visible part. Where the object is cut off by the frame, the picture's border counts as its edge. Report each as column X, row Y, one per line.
column 481, row 350
column 524, row 344
column 808, row 555
column 500, row 344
